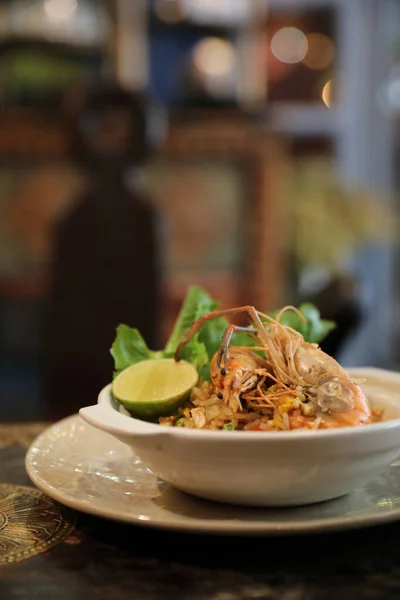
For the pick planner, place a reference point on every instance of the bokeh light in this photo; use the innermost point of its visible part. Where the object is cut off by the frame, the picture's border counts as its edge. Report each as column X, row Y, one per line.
column 214, row 57
column 327, row 94
column 320, row 53
column 60, row 10
column 289, row 45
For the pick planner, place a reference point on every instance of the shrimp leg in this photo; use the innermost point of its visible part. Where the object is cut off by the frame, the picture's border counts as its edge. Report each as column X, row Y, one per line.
column 198, row 324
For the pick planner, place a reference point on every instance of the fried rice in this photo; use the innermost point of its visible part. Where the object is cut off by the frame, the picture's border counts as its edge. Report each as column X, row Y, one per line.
column 205, row 410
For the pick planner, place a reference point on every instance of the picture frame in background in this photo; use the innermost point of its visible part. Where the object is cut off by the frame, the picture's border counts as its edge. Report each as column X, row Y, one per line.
column 217, row 185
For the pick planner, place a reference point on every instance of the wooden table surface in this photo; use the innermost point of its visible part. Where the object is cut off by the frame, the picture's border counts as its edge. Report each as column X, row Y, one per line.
column 96, row 558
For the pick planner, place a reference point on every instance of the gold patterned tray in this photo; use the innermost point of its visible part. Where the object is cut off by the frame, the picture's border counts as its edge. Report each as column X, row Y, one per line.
column 30, row 523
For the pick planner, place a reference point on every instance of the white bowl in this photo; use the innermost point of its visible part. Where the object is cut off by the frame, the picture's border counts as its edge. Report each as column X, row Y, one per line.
column 265, row 468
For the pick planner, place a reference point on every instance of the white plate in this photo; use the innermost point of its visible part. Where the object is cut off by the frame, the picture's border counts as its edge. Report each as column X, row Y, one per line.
column 292, row 468
column 92, row 472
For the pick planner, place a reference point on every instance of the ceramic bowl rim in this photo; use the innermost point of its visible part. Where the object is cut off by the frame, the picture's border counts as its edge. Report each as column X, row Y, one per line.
column 104, row 415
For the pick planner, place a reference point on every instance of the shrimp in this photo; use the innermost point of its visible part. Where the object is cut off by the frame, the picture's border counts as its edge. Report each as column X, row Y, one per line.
column 238, row 376
column 340, row 401
column 293, row 369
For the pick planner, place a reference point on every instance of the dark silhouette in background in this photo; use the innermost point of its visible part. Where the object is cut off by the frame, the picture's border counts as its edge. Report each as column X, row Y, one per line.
column 106, row 258
column 339, row 302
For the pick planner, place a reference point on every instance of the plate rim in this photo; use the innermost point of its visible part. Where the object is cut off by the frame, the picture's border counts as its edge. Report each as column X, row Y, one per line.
column 233, row 528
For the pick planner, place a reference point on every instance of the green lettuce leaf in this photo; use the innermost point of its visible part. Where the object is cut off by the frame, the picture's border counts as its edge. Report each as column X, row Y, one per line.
column 195, row 353
column 202, row 347
column 211, row 334
column 198, row 350
column 129, row 348
column 314, row 329
column 197, row 302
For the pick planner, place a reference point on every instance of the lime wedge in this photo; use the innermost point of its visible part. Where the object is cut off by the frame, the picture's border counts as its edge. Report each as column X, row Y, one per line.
column 153, row 388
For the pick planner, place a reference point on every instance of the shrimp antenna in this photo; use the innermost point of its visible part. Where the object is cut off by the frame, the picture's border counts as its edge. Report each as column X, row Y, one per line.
column 292, row 308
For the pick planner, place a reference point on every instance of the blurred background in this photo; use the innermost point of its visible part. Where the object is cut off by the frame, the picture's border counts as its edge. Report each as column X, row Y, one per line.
column 248, row 146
